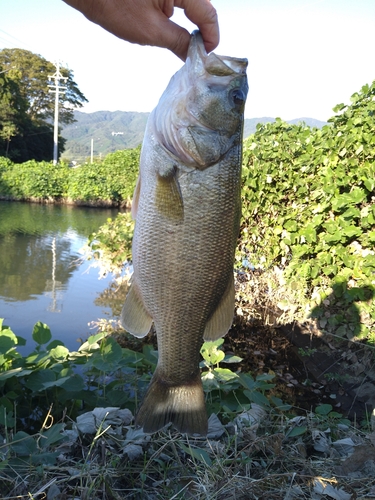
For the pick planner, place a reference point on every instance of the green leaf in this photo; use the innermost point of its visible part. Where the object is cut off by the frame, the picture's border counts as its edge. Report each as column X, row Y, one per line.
column 45, row 458
column 15, row 372
column 279, row 404
column 52, row 436
column 308, row 233
column 247, row 381
column 211, row 354
column 74, row 383
column 23, row 444
column 232, row 359
column 37, row 380
column 7, row 419
column 351, row 213
column 369, row 184
column 197, row 453
column 91, row 343
column 323, row 409
column 257, row 397
column 291, row 226
column 117, row 398
column 21, row 341
column 59, row 352
column 41, row 333
column 265, row 377
column 330, row 270
column 296, row 431
column 109, row 356
column 333, row 238
column 339, row 107
column 331, row 226
column 7, row 340
column 351, row 231
column 54, row 344
column 224, row 375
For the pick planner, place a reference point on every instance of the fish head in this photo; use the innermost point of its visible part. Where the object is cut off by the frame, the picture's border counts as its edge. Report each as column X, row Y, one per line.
column 218, row 88
column 199, row 118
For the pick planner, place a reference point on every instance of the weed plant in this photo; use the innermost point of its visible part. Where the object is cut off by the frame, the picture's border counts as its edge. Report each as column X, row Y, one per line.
column 64, row 434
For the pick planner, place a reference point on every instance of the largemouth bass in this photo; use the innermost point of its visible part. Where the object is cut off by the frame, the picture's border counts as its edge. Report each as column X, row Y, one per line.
column 187, row 211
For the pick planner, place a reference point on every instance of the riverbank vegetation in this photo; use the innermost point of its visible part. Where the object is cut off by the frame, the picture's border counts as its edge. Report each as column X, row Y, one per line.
column 305, row 254
column 108, row 183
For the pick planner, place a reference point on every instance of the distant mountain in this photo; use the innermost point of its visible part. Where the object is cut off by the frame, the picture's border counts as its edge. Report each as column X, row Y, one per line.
column 114, row 130
column 311, row 122
column 250, row 124
column 109, row 130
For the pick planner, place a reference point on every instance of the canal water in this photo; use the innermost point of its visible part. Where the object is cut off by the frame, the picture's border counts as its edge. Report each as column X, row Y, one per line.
column 42, row 276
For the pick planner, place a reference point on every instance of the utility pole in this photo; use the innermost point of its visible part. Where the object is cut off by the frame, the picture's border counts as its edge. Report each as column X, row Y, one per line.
column 57, row 89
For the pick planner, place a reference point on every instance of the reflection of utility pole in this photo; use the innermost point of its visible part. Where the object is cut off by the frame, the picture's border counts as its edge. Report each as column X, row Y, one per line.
column 53, row 284
column 57, row 90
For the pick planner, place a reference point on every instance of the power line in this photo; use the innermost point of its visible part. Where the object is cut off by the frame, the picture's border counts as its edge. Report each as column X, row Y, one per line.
column 16, row 39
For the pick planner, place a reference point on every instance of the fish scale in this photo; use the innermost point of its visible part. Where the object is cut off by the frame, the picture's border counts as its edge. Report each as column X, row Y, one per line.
column 187, row 211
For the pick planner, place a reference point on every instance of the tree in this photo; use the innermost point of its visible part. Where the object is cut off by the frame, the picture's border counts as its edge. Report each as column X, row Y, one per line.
column 10, row 102
column 27, row 106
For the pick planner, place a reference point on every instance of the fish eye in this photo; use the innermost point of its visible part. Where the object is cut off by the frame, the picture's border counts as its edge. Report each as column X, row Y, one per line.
column 238, row 97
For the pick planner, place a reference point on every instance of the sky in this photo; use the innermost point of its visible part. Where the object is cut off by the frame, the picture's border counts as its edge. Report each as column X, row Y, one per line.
column 305, row 56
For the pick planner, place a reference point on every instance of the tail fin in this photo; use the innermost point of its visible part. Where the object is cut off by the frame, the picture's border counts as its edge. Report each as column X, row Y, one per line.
column 182, row 405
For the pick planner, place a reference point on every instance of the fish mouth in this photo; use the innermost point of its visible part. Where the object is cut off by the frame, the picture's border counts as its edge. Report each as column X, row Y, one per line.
column 215, row 64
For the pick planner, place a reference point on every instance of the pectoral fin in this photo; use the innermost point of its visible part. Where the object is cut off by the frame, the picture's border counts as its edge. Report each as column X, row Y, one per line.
column 134, row 317
column 135, row 200
column 222, row 318
column 169, row 201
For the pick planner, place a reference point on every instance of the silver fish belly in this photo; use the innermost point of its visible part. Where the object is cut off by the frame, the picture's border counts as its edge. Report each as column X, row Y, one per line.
column 187, row 210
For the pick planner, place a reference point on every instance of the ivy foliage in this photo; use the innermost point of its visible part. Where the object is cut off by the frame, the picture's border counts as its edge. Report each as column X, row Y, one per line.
column 309, row 205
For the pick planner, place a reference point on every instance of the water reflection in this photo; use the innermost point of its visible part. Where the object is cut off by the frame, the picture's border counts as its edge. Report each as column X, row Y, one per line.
column 27, row 263
column 42, row 277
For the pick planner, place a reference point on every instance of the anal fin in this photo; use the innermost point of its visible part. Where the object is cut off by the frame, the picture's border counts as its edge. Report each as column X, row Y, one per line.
column 222, row 318
column 134, row 316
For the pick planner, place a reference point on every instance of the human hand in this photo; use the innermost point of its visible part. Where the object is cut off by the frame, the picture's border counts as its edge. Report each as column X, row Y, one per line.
column 147, row 22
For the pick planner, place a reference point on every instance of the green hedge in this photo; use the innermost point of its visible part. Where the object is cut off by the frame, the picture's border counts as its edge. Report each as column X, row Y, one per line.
column 32, row 179
column 111, row 181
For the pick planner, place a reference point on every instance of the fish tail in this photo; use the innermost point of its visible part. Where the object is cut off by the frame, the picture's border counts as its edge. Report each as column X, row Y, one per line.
column 182, row 405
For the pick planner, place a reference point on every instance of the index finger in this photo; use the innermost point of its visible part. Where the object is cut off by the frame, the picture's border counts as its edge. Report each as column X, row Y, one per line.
column 203, row 15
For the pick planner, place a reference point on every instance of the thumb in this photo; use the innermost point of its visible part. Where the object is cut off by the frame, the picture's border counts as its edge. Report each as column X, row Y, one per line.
column 175, row 38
